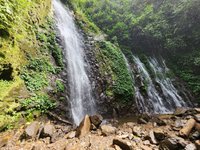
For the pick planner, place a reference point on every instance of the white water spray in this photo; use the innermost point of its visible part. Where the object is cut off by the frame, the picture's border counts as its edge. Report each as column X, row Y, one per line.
column 81, row 99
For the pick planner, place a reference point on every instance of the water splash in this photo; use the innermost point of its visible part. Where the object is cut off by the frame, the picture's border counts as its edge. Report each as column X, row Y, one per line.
column 81, row 99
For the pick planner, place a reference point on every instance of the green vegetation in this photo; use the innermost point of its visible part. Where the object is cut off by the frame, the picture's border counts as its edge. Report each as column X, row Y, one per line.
column 114, row 65
column 34, row 81
column 29, row 57
column 60, row 86
column 170, row 28
column 41, row 103
column 47, row 38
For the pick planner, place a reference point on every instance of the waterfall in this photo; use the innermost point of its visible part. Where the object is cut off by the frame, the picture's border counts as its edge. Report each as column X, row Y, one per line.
column 139, row 99
column 81, row 99
column 155, row 92
column 168, row 89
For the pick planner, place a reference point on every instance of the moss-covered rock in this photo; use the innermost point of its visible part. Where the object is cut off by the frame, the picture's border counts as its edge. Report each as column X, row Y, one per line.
column 27, row 40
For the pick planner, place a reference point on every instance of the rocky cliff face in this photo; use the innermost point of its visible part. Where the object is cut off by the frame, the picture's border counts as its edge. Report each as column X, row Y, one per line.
column 111, row 81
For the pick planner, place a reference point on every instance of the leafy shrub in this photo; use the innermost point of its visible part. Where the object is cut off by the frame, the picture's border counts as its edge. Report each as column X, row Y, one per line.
column 60, row 86
column 40, row 103
column 34, row 81
column 122, row 88
column 49, row 43
column 41, row 64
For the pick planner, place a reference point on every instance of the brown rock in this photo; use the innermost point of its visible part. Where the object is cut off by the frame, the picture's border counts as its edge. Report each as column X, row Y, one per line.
column 32, row 130
column 178, row 124
column 71, row 135
column 152, row 138
column 4, row 140
column 170, row 144
column 190, row 147
column 137, row 130
column 197, row 110
column 159, row 134
column 96, row 120
column 108, row 129
column 158, row 121
column 116, row 147
column 145, row 147
column 185, row 131
column 123, row 144
column 197, row 127
column 181, row 142
column 180, row 111
column 197, row 143
column 84, row 127
column 194, row 136
column 130, row 124
column 143, row 119
column 48, row 130
column 197, row 117
column 59, row 145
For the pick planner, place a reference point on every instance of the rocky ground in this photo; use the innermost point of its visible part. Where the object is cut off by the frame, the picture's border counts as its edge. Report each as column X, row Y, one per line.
column 180, row 131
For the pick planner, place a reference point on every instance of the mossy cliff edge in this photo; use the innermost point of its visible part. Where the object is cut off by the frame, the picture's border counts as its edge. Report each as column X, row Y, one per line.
column 27, row 42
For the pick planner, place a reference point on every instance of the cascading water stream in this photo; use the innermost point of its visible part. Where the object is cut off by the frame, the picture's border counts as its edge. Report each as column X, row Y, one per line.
column 81, row 99
column 140, row 101
column 154, row 99
column 160, row 101
column 168, row 89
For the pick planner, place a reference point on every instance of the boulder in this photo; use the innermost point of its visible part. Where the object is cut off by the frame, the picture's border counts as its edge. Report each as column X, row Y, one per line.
column 180, row 111
column 185, row 131
column 130, row 124
column 197, row 110
column 174, row 143
column 117, row 147
column 151, row 137
column 178, row 124
column 158, row 121
column 146, row 142
column 170, row 144
column 190, row 147
column 123, row 144
column 48, row 130
column 93, row 127
column 96, row 120
column 145, row 147
column 197, row 117
column 197, row 127
column 194, row 136
column 159, row 134
column 137, row 130
column 143, row 119
column 31, row 130
column 108, row 130
column 182, row 142
column 197, row 143
column 84, row 127
column 71, row 135
column 4, row 140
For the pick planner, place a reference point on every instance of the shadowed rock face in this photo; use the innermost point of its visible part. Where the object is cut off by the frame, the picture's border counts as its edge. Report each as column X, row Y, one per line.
column 6, row 72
